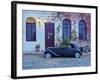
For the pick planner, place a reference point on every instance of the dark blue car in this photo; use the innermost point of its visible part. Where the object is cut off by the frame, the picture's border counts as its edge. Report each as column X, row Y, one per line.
column 71, row 51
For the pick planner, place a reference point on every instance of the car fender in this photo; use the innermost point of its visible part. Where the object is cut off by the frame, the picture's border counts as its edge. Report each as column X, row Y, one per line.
column 79, row 52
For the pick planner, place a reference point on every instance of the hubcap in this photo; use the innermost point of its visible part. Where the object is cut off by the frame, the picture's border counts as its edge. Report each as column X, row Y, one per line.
column 77, row 55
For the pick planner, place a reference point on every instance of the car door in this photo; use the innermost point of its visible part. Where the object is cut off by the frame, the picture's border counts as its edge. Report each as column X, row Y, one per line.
column 61, row 51
column 66, row 51
column 69, row 51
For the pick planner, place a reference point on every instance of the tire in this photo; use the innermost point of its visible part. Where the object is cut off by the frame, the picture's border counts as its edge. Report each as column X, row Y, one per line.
column 77, row 55
column 48, row 55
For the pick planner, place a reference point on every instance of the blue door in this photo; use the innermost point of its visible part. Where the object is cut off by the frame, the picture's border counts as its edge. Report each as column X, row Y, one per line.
column 66, row 31
column 82, row 30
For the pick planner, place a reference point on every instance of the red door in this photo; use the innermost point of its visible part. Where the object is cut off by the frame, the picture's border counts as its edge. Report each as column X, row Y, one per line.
column 49, row 35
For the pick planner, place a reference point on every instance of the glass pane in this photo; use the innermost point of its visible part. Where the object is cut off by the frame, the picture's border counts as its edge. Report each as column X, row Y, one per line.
column 28, row 32
column 66, row 29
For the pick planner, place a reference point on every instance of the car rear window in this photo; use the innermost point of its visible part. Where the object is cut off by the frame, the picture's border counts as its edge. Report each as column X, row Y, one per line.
column 72, row 46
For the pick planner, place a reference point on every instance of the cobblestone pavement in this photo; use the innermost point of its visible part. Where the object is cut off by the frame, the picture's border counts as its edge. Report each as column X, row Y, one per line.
column 38, row 62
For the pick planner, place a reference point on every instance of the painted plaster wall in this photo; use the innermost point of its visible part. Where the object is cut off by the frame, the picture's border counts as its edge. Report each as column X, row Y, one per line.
column 41, row 18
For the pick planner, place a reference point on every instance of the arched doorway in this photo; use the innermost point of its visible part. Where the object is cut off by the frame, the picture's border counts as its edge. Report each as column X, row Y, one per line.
column 66, row 29
column 30, row 29
column 82, row 30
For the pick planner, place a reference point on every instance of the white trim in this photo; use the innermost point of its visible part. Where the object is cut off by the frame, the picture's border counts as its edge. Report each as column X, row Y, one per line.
column 21, row 72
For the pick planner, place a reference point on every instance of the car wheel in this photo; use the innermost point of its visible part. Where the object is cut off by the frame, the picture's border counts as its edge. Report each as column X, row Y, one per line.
column 48, row 55
column 77, row 55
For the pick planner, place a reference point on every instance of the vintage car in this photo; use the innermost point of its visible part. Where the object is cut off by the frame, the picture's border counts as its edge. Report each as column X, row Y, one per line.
column 71, row 51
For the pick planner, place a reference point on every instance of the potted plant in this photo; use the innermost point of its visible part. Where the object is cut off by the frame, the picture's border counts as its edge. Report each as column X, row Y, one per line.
column 37, row 47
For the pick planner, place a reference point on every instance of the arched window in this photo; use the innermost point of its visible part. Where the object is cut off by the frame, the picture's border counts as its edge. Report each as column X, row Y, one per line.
column 66, row 29
column 30, row 29
column 82, row 30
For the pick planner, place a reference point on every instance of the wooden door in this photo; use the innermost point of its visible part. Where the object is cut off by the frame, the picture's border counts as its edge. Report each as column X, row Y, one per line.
column 49, row 35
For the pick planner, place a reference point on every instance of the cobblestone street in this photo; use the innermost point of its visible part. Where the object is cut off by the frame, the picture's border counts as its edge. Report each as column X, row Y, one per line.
column 38, row 62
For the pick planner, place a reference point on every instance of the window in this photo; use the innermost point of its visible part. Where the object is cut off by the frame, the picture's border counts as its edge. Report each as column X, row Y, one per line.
column 82, row 30
column 30, row 29
column 66, row 29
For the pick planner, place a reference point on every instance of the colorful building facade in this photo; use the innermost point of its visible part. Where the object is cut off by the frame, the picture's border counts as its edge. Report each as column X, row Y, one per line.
column 48, row 29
